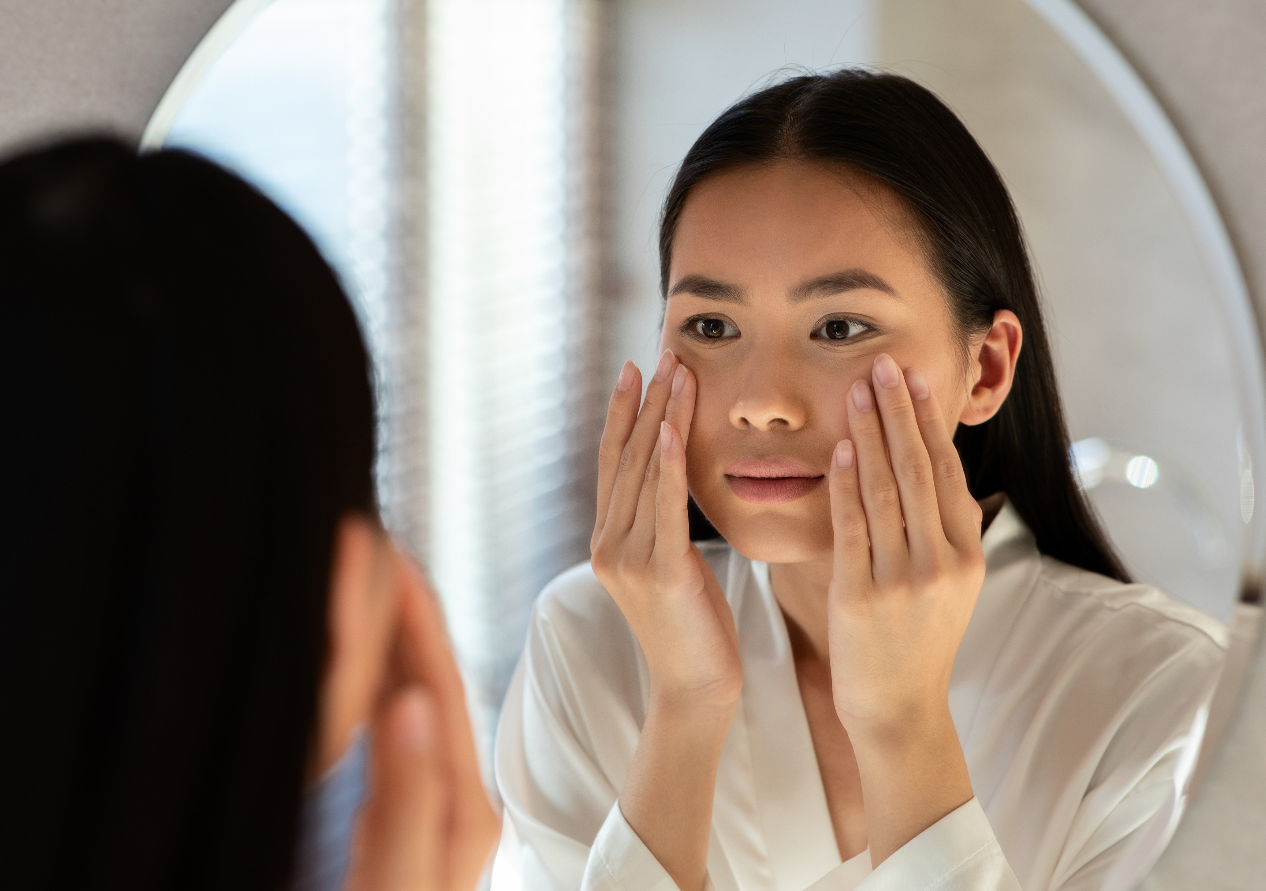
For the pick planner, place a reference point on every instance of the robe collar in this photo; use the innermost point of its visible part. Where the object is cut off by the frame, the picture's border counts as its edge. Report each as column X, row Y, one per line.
column 770, row 814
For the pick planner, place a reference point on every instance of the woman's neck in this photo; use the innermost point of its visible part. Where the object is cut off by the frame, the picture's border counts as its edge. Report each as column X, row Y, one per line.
column 800, row 589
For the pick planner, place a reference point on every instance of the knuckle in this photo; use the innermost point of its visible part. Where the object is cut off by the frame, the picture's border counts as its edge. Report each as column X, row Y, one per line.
column 867, row 423
column 899, row 409
column 602, row 562
column 932, row 575
column 626, row 457
column 609, row 452
column 917, row 471
column 949, row 468
column 853, row 528
column 884, row 495
column 626, row 566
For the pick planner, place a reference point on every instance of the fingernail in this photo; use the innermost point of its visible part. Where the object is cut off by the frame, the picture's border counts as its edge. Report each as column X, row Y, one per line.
column 417, row 719
column 679, row 379
column 843, row 457
column 861, row 396
column 886, row 372
column 665, row 364
column 626, row 376
column 918, row 386
column 665, row 436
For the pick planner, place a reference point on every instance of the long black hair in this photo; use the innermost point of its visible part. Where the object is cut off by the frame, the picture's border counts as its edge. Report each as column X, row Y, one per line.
column 187, row 411
column 899, row 134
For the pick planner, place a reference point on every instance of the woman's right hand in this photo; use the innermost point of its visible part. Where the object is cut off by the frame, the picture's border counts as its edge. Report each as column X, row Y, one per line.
column 641, row 545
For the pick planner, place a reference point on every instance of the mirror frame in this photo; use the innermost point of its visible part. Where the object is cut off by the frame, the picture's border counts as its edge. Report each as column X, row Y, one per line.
column 1181, row 174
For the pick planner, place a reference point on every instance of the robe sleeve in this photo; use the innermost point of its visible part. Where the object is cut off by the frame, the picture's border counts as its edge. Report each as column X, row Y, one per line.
column 560, row 764
column 1126, row 814
column 1138, row 793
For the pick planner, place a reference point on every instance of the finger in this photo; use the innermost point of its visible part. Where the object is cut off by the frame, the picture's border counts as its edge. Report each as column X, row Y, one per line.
column 681, row 402
column 621, row 415
column 638, row 451
column 908, row 457
column 851, row 570
column 672, row 523
column 474, row 825
column 960, row 514
column 400, row 841
column 428, row 660
column 880, row 496
column 643, row 536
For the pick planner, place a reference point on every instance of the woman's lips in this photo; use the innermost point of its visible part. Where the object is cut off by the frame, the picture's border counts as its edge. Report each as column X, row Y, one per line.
column 771, row 480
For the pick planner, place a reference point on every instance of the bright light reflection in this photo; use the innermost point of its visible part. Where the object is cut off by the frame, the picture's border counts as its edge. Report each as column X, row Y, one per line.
column 1141, row 471
column 1089, row 456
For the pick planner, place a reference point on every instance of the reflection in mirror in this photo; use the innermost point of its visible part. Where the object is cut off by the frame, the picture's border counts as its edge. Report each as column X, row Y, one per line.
column 486, row 176
column 1144, row 328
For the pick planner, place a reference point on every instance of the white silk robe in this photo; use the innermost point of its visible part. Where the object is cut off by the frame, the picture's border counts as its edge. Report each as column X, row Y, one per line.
column 1079, row 702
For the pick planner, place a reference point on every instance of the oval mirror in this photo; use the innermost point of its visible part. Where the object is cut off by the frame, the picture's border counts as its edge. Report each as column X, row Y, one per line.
column 322, row 104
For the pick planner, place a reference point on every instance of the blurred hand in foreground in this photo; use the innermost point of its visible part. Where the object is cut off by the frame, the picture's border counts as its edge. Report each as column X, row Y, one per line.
column 427, row 824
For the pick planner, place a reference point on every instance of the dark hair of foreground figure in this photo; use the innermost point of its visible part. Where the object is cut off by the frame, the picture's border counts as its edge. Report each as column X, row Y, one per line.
column 187, row 412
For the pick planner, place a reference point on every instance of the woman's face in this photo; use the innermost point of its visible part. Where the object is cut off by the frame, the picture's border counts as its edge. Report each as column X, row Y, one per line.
column 786, row 281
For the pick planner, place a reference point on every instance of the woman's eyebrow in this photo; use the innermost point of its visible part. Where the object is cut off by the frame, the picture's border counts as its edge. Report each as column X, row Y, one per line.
column 709, row 289
column 838, row 282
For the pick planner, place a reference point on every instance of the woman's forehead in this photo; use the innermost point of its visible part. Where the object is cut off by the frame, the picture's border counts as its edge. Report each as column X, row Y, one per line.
column 790, row 223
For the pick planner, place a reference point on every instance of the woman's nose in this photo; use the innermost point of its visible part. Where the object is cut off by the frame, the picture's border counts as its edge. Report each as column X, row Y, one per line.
column 767, row 401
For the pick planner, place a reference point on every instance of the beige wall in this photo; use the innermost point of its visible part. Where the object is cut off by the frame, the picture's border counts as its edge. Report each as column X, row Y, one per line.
column 92, row 64
column 1205, row 60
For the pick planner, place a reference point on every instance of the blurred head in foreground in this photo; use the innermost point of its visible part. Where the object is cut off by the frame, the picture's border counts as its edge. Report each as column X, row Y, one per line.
column 195, row 594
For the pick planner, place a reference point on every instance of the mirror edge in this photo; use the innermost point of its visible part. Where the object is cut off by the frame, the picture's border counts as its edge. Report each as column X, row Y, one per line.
column 1183, row 176
column 213, row 44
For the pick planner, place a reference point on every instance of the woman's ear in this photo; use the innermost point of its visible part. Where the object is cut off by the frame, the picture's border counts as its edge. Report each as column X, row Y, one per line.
column 363, row 611
column 992, row 368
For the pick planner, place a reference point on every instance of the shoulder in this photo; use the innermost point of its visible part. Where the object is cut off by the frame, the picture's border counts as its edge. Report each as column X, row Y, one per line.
column 575, row 600
column 579, row 646
column 1112, row 609
column 1092, row 647
column 1041, row 610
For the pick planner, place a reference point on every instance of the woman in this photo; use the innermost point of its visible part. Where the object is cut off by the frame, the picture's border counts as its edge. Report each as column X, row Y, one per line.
column 853, row 688
column 199, row 606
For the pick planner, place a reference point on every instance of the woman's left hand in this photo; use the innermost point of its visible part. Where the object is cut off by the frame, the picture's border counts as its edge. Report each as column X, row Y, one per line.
column 908, row 566
column 427, row 824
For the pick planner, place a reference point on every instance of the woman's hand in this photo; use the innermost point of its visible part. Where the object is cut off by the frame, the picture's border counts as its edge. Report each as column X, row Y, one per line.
column 908, row 566
column 642, row 554
column 427, row 824
column 641, row 545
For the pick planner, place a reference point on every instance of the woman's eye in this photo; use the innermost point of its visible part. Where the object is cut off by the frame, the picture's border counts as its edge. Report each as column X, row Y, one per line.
column 840, row 329
column 711, row 328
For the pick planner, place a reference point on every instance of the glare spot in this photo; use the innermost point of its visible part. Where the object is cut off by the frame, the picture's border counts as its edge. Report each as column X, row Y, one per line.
column 1089, row 456
column 1141, row 471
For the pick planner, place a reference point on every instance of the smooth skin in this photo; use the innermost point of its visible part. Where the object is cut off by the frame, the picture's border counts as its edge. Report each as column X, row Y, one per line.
column 803, row 322
column 427, row 824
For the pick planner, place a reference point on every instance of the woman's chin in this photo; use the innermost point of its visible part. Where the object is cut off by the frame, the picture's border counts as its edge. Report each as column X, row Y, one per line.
column 776, row 539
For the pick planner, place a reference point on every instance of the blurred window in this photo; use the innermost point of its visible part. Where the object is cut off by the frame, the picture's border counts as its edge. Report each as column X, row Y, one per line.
column 445, row 157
